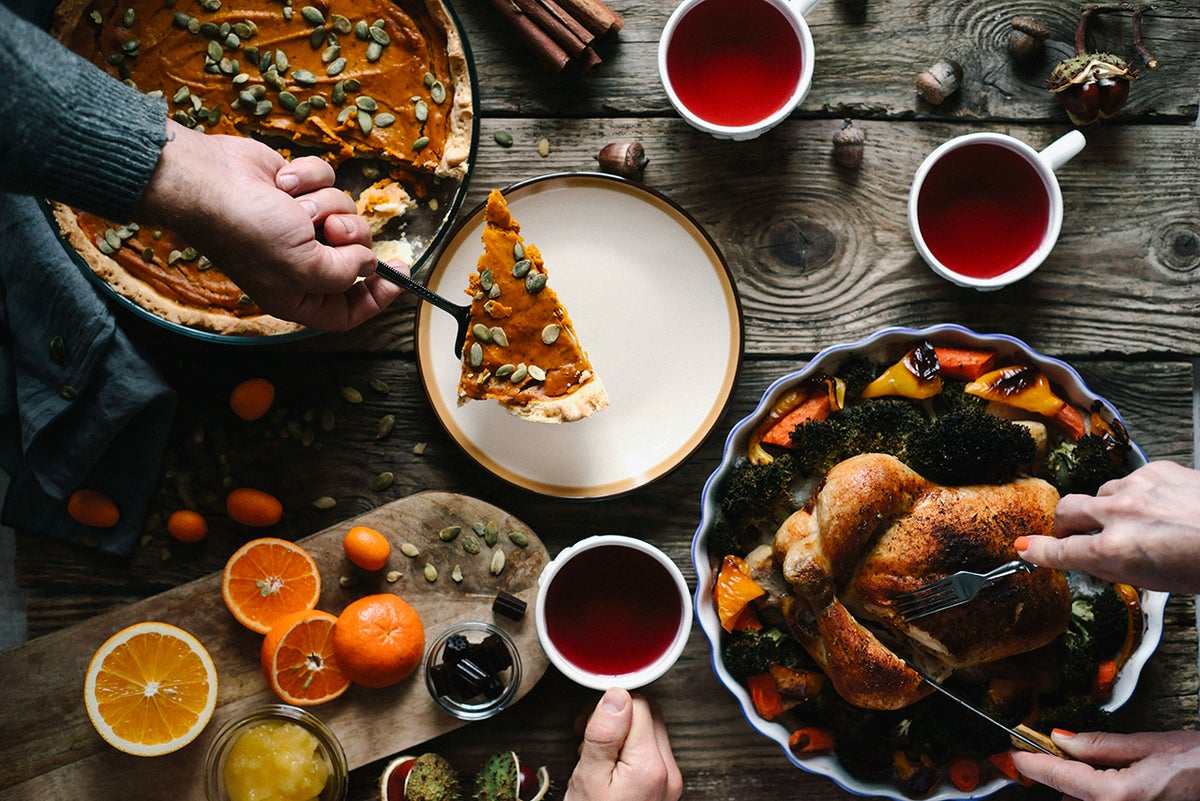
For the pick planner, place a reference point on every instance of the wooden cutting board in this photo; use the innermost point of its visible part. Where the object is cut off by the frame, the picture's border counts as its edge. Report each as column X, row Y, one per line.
column 49, row 749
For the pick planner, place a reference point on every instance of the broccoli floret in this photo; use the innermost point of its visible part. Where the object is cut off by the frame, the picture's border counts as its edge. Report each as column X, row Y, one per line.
column 1078, row 657
column 1083, row 465
column 748, row 653
column 1110, row 621
column 856, row 373
column 941, row 728
column 970, row 446
column 862, row 743
column 755, row 500
column 880, row 426
column 1076, row 713
column 953, row 396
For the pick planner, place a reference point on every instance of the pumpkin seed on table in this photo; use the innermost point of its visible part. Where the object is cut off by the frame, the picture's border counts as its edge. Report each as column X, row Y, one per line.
column 497, row 564
column 410, row 550
column 386, row 424
column 324, row 503
column 383, row 480
column 431, row 573
column 503, row 137
column 350, row 395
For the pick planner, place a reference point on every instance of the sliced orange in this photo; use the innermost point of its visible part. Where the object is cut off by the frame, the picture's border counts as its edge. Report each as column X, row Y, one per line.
column 268, row 578
column 298, row 661
column 150, row 689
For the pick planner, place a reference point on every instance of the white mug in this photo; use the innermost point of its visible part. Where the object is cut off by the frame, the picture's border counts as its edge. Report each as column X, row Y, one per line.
column 612, row 611
column 985, row 209
column 736, row 68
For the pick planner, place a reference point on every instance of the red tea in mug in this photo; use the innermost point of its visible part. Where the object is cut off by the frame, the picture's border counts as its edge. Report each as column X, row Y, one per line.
column 983, row 209
column 612, row 610
column 734, row 62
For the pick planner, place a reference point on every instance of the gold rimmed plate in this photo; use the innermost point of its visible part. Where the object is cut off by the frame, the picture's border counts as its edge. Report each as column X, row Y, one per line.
column 639, row 277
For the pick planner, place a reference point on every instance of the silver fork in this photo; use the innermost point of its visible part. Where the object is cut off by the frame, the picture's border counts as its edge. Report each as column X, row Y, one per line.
column 953, row 590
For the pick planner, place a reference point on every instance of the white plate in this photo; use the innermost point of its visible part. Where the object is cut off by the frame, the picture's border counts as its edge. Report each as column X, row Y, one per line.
column 655, row 307
column 889, row 340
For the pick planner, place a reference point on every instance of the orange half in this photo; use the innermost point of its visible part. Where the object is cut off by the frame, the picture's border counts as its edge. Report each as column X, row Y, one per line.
column 267, row 579
column 150, row 689
column 298, row 660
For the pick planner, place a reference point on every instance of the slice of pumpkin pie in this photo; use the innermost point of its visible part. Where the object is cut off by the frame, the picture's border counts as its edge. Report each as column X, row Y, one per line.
column 521, row 348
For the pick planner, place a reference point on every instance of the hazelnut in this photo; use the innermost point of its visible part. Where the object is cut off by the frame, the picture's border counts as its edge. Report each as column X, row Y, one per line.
column 626, row 159
column 848, row 145
column 1025, row 40
column 940, row 81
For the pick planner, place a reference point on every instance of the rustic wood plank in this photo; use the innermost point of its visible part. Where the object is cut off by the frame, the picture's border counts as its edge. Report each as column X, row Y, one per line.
column 864, row 68
column 825, row 256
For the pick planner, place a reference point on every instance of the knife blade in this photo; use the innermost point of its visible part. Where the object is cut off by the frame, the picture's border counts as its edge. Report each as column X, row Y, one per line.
column 1022, row 736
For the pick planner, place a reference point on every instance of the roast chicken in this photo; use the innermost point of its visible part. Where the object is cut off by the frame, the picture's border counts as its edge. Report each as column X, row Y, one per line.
column 876, row 529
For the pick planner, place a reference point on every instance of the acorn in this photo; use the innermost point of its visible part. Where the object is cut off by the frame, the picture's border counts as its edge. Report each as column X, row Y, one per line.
column 848, row 145
column 1025, row 40
column 940, row 81
column 626, row 159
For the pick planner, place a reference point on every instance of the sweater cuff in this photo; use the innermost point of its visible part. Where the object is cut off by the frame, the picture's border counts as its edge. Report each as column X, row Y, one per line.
column 108, row 147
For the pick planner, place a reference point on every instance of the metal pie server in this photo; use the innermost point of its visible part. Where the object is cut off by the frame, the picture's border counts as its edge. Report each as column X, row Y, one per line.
column 460, row 313
column 1022, row 736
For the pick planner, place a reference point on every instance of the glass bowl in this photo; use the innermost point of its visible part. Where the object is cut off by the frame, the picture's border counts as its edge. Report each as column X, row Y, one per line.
column 329, row 750
column 473, row 670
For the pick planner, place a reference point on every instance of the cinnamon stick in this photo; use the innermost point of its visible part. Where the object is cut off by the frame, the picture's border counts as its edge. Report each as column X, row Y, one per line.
column 594, row 15
column 548, row 52
column 570, row 23
column 551, row 26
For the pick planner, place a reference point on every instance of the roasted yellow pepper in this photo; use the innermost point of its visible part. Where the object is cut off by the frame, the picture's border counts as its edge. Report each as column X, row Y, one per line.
column 915, row 376
column 1019, row 386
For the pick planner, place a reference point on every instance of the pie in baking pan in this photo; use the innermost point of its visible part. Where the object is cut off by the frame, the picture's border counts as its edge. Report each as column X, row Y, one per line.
column 379, row 88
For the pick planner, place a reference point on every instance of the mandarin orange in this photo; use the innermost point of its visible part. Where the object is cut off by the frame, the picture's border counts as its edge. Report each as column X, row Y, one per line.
column 298, row 659
column 268, row 578
column 379, row 640
column 366, row 547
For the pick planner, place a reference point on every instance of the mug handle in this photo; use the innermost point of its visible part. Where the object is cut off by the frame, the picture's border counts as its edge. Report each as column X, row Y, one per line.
column 1062, row 150
column 804, row 6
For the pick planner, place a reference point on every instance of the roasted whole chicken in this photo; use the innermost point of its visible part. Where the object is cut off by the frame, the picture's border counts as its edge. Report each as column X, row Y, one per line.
column 876, row 529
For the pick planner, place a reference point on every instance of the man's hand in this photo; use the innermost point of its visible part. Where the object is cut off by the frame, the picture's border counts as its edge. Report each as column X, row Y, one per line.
column 279, row 229
column 625, row 755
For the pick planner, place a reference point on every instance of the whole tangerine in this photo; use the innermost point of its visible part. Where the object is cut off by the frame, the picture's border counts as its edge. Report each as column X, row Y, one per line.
column 378, row 640
column 187, row 526
column 366, row 547
column 252, row 507
column 93, row 508
column 252, row 398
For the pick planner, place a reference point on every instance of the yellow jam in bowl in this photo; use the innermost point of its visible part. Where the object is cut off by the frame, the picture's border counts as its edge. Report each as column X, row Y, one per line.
column 275, row 761
column 276, row 753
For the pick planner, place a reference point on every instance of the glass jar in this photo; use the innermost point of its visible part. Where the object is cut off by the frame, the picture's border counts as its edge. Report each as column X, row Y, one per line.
column 473, row 670
column 329, row 749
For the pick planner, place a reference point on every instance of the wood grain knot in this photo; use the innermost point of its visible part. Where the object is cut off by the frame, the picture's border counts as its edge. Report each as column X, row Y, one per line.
column 1177, row 247
column 801, row 244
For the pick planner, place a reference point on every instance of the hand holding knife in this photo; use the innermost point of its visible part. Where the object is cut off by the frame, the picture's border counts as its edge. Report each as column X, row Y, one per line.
column 1022, row 736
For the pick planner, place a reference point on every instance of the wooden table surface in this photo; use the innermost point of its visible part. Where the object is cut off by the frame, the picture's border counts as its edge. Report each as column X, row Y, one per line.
column 820, row 255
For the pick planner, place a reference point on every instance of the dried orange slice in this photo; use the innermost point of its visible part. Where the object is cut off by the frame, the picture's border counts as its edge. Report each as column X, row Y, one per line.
column 151, row 688
column 268, row 578
column 298, row 661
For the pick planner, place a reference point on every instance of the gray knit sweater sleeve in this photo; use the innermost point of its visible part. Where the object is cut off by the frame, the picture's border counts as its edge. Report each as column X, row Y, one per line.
column 68, row 130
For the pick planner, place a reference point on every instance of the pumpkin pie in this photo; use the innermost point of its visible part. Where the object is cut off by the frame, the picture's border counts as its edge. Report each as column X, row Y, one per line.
column 521, row 348
column 379, row 88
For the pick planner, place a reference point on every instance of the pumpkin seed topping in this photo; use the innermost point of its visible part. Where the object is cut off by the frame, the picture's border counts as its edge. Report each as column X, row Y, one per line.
column 312, row 15
column 535, row 283
column 537, row 373
column 498, row 336
column 521, row 268
column 550, row 333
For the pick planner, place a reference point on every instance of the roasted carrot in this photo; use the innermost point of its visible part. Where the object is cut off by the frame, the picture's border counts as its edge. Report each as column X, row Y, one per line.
column 810, row 739
column 964, row 774
column 1069, row 418
column 734, row 592
column 815, row 408
column 796, row 685
column 1004, row 763
column 1106, row 677
column 965, row 364
column 765, row 695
